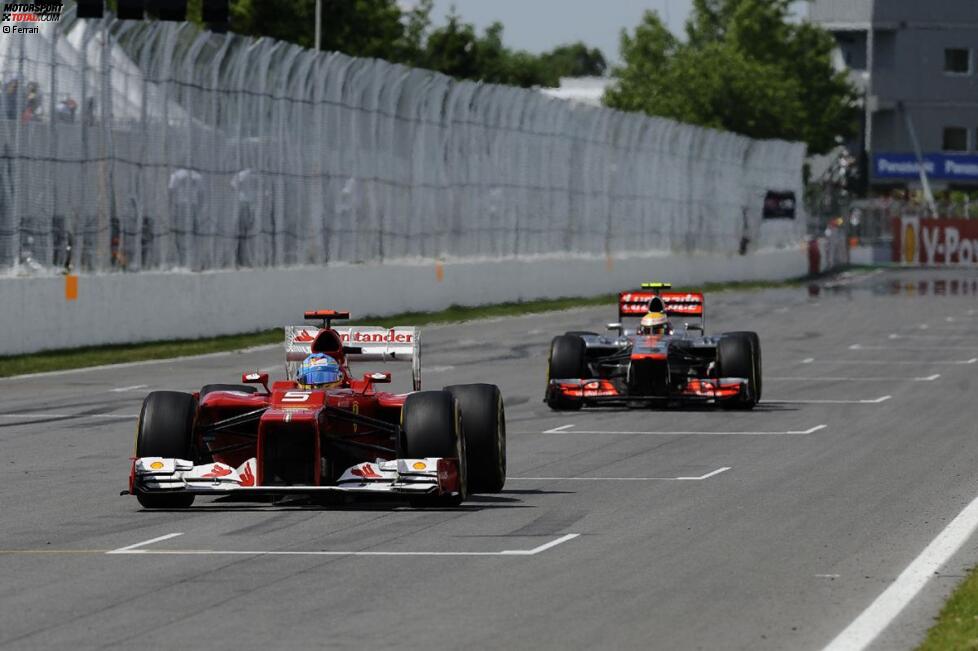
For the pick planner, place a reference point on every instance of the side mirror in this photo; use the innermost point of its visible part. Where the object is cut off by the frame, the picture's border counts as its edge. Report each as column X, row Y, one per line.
column 615, row 326
column 378, row 378
column 255, row 377
column 694, row 326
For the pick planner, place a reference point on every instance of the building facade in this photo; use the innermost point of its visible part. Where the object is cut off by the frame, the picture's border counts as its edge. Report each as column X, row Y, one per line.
column 916, row 63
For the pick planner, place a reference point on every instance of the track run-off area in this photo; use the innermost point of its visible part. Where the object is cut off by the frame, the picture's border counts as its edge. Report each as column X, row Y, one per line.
column 839, row 513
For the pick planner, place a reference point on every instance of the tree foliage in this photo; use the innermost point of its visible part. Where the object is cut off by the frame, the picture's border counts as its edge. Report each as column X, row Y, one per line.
column 379, row 28
column 744, row 67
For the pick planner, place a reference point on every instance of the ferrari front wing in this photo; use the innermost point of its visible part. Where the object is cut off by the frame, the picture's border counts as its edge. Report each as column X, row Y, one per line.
column 400, row 477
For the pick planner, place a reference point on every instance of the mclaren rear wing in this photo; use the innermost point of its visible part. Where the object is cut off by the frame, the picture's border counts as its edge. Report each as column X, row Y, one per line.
column 360, row 343
column 675, row 304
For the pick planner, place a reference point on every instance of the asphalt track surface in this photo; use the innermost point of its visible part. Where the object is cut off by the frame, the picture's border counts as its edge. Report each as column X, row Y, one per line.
column 680, row 529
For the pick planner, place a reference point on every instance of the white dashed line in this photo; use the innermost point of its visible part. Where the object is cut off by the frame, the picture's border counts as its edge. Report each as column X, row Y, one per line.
column 132, row 550
column 686, row 433
column 874, row 401
column 558, row 429
column 700, row 478
column 929, row 378
column 131, row 388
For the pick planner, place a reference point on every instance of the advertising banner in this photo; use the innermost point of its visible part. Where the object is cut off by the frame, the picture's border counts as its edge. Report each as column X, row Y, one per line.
column 939, row 167
column 935, row 241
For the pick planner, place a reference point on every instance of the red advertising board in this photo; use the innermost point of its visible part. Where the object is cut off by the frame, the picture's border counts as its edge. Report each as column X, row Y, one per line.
column 941, row 241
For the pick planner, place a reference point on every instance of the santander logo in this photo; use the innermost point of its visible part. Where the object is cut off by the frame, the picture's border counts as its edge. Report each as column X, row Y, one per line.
column 391, row 336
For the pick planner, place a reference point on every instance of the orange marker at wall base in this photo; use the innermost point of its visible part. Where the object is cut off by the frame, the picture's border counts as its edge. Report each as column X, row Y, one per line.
column 439, row 271
column 71, row 287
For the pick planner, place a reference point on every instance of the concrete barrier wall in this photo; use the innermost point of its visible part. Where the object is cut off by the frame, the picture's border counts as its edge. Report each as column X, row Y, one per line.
column 36, row 313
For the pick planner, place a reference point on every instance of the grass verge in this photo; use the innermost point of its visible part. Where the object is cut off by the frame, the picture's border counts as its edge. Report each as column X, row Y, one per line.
column 957, row 625
column 55, row 360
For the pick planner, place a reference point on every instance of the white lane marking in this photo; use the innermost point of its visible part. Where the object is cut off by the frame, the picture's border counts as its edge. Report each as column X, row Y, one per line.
column 233, row 552
column 700, row 478
column 688, row 433
column 558, row 429
column 874, row 401
column 827, row 576
column 48, row 415
column 144, row 362
column 131, row 549
column 706, row 476
column 439, row 369
column 544, row 547
column 881, row 613
column 938, row 337
column 808, row 360
column 929, row 378
column 916, row 349
column 898, row 361
column 129, row 388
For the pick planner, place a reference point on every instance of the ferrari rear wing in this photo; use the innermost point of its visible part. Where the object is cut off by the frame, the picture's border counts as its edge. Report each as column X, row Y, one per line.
column 360, row 343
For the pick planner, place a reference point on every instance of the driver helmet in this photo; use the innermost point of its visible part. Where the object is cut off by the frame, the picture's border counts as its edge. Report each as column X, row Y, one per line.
column 654, row 323
column 319, row 371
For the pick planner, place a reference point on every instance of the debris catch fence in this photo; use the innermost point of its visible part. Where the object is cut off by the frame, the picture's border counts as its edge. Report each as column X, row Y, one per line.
column 152, row 145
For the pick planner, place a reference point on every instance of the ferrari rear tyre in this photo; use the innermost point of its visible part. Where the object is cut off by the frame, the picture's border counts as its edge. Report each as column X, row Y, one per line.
column 166, row 429
column 567, row 361
column 431, row 427
column 484, row 429
column 243, row 388
column 736, row 358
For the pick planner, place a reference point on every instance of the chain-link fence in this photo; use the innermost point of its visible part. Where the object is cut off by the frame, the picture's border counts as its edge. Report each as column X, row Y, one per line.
column 136, row 145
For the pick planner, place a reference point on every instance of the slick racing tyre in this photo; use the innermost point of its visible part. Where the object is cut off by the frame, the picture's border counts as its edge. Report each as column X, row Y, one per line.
column 756, row 343
column 566, row 362
column 431, row 427
column 581, row 333
column 484, row 429
column 165, row 429
column 243, row 388
column 736, row 358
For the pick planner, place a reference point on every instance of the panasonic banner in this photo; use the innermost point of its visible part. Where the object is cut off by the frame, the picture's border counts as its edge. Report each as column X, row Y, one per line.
column 932, row 242
column 939, row 167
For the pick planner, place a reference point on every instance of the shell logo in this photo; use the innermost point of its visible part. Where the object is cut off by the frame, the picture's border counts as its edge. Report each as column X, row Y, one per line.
column 419, row 465
column 909, row 243
column 156, row 465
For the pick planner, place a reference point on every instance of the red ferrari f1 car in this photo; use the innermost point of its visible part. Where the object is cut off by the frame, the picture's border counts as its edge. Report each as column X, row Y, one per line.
column 655, row 361
column 349, row 438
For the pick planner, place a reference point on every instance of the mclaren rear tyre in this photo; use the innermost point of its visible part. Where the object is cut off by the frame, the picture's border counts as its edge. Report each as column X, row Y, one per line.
column 165, row 429
column 736, row 358
column 484, row 428
column 756, row 343
column 431, row 427
column 566, row 362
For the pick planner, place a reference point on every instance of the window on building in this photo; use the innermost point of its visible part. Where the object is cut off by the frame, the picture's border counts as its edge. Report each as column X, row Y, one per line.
column 957, row 61
column 955, row 139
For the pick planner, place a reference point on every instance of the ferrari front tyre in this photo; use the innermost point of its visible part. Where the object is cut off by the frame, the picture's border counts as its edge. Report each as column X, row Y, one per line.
column 567, row 361
column 736, row 358
column 484, row 429
column 431, row 427
column 166, row 429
